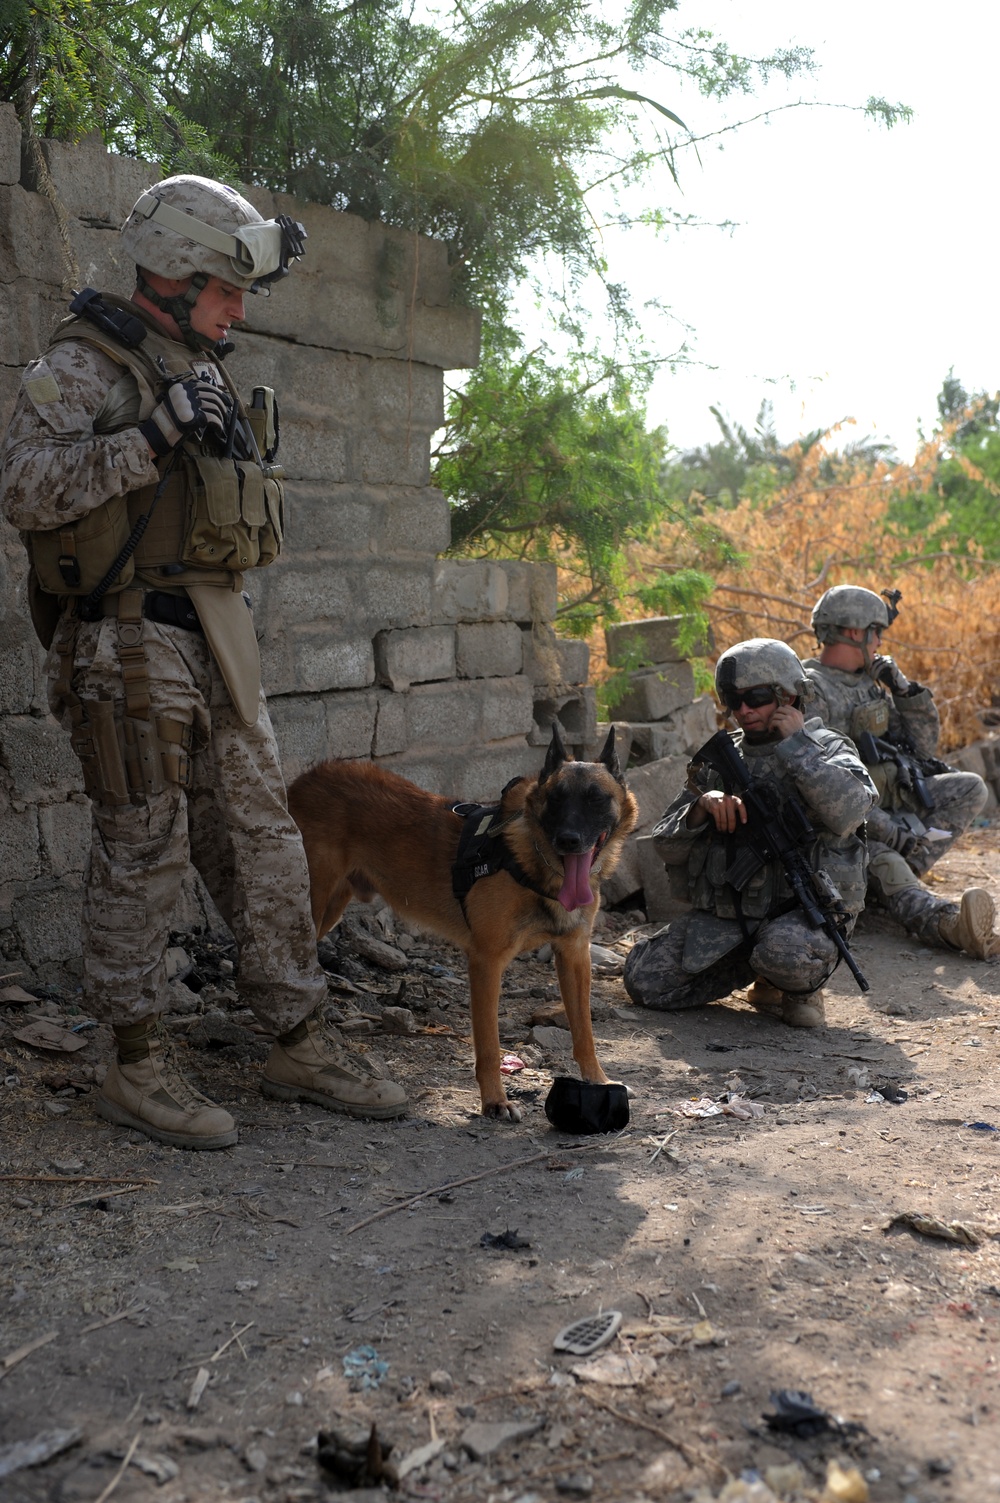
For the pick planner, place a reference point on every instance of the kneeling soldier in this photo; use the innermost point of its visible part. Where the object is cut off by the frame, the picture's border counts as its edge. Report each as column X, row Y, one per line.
column 751, row 929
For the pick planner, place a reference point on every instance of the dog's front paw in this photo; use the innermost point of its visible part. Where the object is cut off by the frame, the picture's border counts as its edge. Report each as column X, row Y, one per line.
column 502, row 1111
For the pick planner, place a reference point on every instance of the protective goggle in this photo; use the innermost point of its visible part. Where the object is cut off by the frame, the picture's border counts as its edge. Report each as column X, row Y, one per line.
column 754, row 699
column 260, row 252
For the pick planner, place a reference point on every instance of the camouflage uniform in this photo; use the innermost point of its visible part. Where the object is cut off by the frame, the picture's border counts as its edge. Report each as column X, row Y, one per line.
column 232, row 821
column 852, row 702
column 721, row 946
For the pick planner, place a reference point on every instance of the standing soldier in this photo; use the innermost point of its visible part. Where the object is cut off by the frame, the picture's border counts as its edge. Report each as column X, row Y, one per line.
column 753, row 932
column 144, row 488
column 923, row 804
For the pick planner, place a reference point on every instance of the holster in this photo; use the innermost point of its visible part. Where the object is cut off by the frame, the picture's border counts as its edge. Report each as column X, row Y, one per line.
column 127, row 760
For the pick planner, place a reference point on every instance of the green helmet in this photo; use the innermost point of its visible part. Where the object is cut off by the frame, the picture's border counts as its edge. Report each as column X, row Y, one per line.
column 189, row 227
column 848, row 605
column 761, row 660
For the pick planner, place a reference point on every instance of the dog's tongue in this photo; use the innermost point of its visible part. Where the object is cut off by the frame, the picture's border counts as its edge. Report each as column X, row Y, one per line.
column 575, row 891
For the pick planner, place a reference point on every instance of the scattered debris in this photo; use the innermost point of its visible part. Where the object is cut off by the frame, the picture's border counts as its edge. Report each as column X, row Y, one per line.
column 511, row 1063
column 588, row 1334
column 797, row 1414
column 981, row 1126
column 359, row 1457
column 482, row 1438
column 962, row 1232
column 621, row 1369
column 47, row 1036
column 364, row 1368
column 40, row 1448
column 727, row 1105
column 197, row 1388
column 508, row 1241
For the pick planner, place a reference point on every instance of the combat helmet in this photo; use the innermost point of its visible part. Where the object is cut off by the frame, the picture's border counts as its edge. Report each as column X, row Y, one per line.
column 761, row 660
column 189, row 227
column 852, row 606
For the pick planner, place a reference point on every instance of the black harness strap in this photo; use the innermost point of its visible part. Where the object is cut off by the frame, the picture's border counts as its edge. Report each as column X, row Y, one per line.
column 482, row 852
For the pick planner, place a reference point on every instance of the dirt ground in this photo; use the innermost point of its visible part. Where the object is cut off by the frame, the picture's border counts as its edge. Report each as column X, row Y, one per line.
column 191, row 1313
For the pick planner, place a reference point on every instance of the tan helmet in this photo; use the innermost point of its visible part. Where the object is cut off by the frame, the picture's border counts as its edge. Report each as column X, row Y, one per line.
column 193, row 227
column 847, row 605
column 761, row 660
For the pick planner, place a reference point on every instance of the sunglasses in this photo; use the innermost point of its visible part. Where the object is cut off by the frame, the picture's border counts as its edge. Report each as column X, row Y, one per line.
column 760, row 694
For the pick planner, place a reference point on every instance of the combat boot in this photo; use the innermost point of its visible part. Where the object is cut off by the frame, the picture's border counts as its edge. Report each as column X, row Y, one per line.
column 765, row 997
column 146, row 1089
column 804, row 1009
column 311, row 1063
column 970, row 926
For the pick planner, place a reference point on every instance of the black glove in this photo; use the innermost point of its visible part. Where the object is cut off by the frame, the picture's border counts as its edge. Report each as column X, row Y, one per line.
column 190, row 407
column 887, row 671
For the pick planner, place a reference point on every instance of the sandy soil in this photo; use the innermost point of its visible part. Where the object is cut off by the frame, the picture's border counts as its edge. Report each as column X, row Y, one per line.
column 746, row 1256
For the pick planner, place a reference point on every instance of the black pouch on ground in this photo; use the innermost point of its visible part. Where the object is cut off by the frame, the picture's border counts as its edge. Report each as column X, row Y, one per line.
column 584, row 1106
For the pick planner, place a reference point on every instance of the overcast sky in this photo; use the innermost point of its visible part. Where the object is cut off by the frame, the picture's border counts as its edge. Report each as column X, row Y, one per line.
column 863, row 265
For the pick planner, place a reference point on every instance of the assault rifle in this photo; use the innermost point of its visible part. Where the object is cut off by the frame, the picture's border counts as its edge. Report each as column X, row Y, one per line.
column 778, row 832
column 914, row 769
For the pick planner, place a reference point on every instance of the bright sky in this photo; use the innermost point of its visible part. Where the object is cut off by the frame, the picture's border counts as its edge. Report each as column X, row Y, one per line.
column 863, row 264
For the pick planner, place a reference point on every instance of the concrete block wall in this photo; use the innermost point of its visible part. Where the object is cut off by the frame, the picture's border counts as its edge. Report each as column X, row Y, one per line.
column 372, row 644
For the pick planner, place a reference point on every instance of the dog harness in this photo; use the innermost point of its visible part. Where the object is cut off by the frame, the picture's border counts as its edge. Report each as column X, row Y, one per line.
column 482, row 852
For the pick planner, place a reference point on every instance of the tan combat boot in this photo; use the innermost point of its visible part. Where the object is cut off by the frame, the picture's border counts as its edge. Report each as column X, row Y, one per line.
column 310, row 1063
column 146, row 1089
column 765, row 997
column 970, row 928
column 804, row 1009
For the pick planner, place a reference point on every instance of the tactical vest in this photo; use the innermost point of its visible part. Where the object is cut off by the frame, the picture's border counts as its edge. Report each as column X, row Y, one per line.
column 214, row 516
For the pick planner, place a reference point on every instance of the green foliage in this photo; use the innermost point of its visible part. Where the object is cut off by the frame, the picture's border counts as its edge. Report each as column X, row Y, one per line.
column 552, row 464
column 961, row 509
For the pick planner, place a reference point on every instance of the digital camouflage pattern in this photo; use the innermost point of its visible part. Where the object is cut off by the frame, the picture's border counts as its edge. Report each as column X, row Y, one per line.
column 54, row 466
column 706, row 954
column 839, row 697
column 233, row 825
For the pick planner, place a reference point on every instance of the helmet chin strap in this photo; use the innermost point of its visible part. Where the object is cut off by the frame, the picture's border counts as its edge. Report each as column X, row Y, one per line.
column 179, row 308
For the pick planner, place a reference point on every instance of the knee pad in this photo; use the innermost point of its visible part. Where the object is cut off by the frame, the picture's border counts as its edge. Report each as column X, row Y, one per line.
column 889, row 874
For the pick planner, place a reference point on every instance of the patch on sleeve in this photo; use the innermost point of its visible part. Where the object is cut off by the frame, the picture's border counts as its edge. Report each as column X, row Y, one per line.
column 43, row 389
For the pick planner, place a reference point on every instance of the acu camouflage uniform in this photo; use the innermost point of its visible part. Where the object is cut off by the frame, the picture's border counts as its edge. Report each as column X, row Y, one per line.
column 852, row 703
column 730, row 939
column 73, row 446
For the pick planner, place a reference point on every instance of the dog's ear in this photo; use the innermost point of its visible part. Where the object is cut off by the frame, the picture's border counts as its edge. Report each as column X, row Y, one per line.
column 555, row 756
column 609, row 758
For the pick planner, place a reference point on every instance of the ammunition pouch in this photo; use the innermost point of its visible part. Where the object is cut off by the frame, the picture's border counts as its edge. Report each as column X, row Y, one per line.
column 72, row 560
column 872, row 716
column 126, row 760
column 235, row 515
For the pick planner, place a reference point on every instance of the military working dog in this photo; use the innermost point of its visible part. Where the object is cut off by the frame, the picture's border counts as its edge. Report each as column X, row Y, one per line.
column 495, row 880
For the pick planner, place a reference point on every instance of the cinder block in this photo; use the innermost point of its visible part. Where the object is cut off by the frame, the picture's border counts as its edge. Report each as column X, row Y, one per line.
column 395, row 455
column 38, row 758
column 659, row 899
column 390, row 725
column 93, row 183
column 46, row 921
column 396, row 593
column 655, row 787
column 350, row 723
column 323, row 663
column 532, row 590
column 20, row 662
column 300, row 728
column 506, row 708
column 656, row 692
column 19, row 844
column 320, row 593
column 469, row 590
column 30, row 245
column 488, row 649
column 443, row 714
column 655, row 639
column 481, row 772
column 415, row 522
column 341, row 520
column 576, row 712
column 415, row 655
column 551, row 660
column 404, row 394
column 65, row 833
column 626, row 879
column 10, row 145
